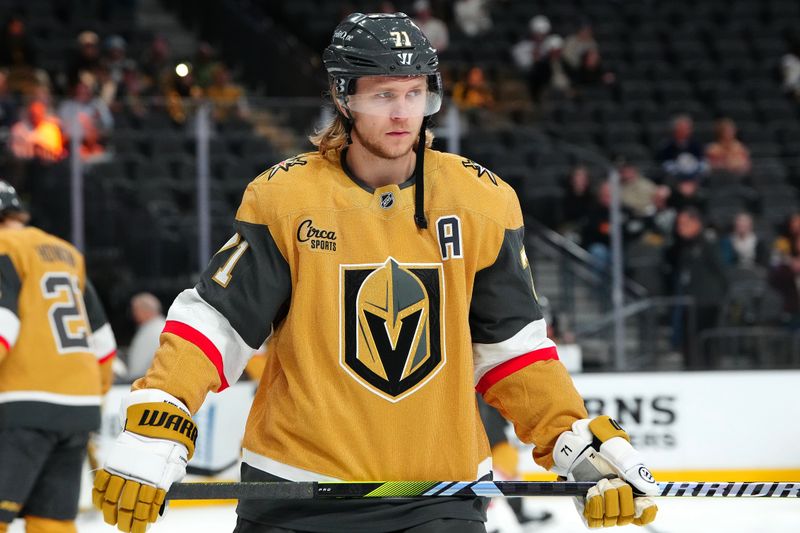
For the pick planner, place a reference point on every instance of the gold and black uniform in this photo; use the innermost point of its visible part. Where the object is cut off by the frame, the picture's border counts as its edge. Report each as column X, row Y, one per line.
column 56, row 349
column 56, row 346
column 379, row 333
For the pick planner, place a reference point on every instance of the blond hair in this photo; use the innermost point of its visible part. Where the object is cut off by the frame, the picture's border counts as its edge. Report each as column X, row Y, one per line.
column 333, row 137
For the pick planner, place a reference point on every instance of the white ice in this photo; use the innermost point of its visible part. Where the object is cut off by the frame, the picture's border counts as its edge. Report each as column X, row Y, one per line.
column 676, row 515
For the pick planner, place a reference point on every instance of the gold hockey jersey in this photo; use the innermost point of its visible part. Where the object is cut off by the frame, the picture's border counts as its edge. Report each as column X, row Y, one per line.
column 379, row 332
column 56, row 346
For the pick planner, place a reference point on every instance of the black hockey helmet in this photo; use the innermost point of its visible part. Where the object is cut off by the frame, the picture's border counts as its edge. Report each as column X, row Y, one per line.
column 381, row 44
column 9, row 200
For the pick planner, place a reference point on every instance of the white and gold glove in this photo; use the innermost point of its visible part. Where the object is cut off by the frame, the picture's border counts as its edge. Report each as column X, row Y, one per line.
column 600, row 450
column 149, row 455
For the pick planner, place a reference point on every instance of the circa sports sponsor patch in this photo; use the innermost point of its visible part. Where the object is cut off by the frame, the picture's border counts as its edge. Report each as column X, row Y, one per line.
column 316, row 237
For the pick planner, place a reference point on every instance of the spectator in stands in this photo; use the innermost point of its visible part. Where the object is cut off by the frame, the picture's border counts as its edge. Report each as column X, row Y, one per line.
column 783, row 277
column 687, row 192
column 596, row 232
column 87, row 59
column 551, row 74
column 146, row 312
column 529, row 50
column 473, row 93
column 83, row 108
column 37, row 136
column 591, row 71
column 131, row 91
column 91, row 149
column 578, row 199
column 16, row 48
column 727, row 153
column 790, row 70
column 433, row 28
column 682, row 156
column 156, row 65
column 8, row 106
column 18, row 56
column 694, row 267
column 181, row 93
column 783, row 248
column 227, row 97
column 636, row 191
column 742, row 248
column 204, row 65
column 662, row 223
column 472, row 16
column 577, row 44
column 115, row 57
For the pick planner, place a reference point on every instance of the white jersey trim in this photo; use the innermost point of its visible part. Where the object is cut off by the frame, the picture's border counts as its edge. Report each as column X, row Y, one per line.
column 484, row 467
column 282, row 470
column 530, row 338
column 9, row 326
column 48, row 397
column 191, row 309
column 103, row 342
column 292, row 473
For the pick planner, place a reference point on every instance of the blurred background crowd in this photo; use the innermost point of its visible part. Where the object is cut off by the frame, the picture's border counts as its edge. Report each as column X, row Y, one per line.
column 695, row 106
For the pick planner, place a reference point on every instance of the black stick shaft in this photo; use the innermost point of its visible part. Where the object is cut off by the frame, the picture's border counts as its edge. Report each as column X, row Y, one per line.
column 428, row 489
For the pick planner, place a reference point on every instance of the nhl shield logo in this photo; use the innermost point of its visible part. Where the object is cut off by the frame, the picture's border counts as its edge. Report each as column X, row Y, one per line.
column 387, row 200
column 391, row 326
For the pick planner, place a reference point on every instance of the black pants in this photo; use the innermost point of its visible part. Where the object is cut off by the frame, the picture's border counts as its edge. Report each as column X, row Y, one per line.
column 442, row 525
column 40, row 473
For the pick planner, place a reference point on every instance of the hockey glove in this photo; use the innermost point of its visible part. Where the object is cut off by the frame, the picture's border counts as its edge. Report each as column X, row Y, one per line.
column 600, row 450
column 149, row 455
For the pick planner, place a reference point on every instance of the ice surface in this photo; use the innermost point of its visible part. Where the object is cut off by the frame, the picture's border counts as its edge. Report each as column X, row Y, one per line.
column 676, row 515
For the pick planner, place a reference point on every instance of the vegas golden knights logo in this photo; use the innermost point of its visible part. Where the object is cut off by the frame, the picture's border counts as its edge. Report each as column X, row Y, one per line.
column 392, row 316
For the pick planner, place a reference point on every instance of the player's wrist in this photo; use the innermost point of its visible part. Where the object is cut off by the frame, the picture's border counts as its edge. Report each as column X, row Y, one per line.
column 157, row 415
column 152, row 396
column 597, row 448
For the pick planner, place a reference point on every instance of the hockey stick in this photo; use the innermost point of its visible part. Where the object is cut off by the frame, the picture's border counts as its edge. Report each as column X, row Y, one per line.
column 307, row 490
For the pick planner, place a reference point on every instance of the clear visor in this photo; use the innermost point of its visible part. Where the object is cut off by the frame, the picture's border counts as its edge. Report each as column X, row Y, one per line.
column 396, row 97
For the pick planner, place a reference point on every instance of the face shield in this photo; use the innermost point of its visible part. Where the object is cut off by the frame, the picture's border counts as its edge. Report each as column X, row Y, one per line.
column 394, row 96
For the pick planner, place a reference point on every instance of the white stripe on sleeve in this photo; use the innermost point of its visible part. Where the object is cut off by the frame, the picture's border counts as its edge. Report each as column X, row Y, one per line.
column 9, row 326
column 191, row 309
column 103, row 342
column 530, row 338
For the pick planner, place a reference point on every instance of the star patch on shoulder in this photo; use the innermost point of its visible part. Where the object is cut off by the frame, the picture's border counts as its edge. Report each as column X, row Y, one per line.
column 285, row 165
column 480, row 169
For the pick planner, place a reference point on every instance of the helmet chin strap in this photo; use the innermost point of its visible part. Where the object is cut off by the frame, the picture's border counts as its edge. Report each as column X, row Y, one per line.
column 348, row 128
column 348, row 124
column 419, row 172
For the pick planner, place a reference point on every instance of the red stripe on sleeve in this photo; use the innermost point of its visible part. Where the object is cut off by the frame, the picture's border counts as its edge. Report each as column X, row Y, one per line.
column 188, row 333
column 4, row 342
column 513, row 365
column 107, row 356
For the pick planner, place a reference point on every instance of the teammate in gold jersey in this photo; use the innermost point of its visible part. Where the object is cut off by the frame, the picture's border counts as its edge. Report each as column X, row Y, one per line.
column 390, row 282
column 56, row 349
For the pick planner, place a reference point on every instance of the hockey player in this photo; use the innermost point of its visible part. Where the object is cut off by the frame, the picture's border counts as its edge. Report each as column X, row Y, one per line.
column 56, row 349
column 392, row 282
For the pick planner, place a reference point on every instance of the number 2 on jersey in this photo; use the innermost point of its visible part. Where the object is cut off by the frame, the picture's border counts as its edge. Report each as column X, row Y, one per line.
column 67, row 319
column 223, row 274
